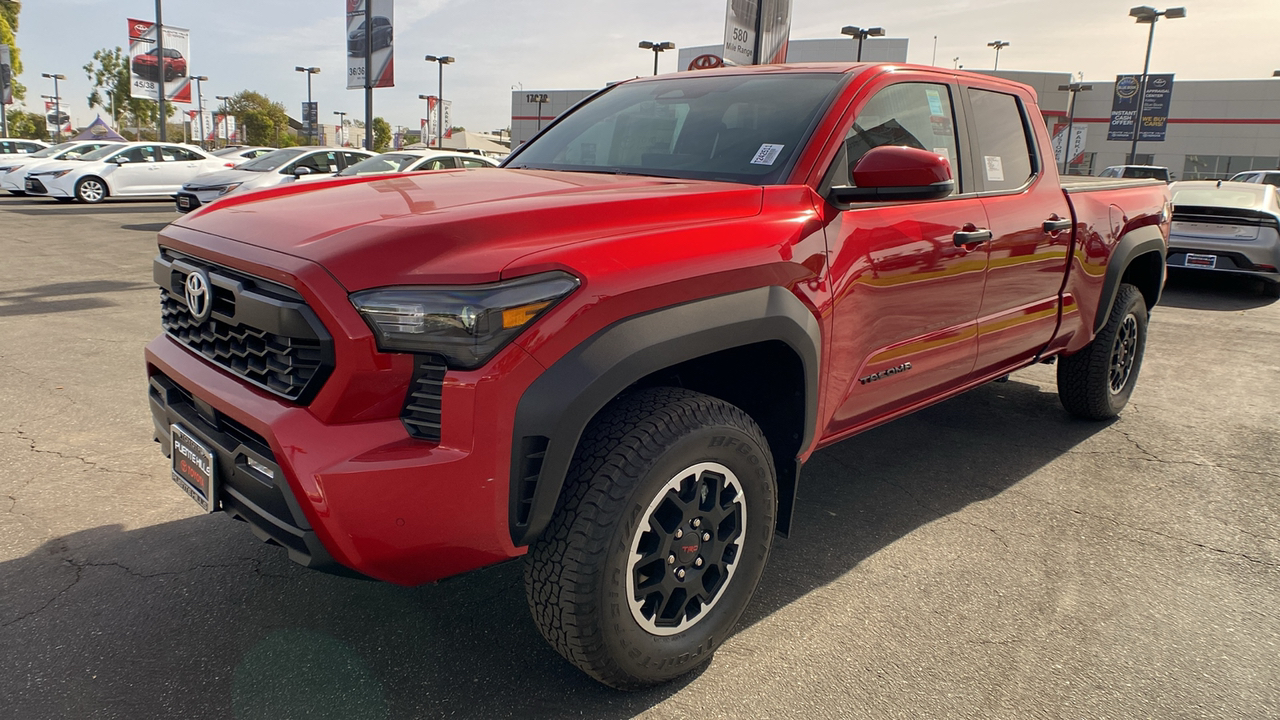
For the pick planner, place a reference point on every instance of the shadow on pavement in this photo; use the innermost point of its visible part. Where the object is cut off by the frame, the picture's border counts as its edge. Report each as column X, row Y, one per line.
column 146, row 227
column 62, row 297
column 1203, row 290
column 192, row 618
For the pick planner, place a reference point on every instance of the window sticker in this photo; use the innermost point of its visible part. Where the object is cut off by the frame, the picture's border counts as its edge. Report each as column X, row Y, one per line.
column 995, row 168
column 767, row 154
column 935, row 102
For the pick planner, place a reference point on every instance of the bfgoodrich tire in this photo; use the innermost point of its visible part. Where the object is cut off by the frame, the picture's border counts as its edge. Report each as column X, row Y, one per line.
column 1096, row 382
column 658, row 540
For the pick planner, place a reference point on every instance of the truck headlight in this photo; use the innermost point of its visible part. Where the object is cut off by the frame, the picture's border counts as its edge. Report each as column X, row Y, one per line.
column 467, row 324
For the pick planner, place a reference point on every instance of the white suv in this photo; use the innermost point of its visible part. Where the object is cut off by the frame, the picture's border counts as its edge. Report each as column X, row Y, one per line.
column 139, row 169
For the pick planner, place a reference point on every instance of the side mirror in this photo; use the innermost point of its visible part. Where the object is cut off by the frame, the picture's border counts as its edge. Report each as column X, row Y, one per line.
column 120, row 159
column 300, row 170
column 892, row 172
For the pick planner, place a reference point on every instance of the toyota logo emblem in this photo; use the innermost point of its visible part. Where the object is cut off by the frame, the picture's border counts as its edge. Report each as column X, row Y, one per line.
column 199, row 303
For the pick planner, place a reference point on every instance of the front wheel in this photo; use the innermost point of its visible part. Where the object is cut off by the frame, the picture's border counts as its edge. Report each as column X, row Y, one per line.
column 91, row 190
column 1096, row 382
column 658, row 540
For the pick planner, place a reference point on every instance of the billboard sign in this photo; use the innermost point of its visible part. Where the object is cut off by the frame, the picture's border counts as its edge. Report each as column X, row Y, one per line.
column 756, row 32
column 6, row 77
column 310, row 117
column 148, row 71
column 1155, row 108
column 56, row 119
column 374, row 40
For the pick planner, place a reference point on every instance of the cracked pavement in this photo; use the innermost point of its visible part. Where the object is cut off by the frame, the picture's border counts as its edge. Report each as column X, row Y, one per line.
column 988, row 557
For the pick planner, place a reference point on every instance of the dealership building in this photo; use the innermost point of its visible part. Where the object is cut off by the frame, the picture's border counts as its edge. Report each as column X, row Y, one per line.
column 1216, row 128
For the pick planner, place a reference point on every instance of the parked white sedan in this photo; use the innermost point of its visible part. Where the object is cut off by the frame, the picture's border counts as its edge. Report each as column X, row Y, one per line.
column 276, row 168
column 140, row 169
column 19, row 147
column 13, row 170
column 416, row 161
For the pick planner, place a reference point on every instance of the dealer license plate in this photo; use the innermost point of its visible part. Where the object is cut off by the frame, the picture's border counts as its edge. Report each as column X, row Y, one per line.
column 184, row 202
column 193, row 468
column 1201, row 261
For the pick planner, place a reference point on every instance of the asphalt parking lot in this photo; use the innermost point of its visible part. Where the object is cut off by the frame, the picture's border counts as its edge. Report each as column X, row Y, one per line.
column 987, row 558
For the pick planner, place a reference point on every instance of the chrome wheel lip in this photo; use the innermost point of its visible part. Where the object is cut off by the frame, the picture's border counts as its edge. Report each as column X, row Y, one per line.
column 637, row 614
column 1123, row 355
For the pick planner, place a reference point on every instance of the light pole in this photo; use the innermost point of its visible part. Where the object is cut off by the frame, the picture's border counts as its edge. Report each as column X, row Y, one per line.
column 426, row 139
column 57, row 100
column 442, row 60
column 342, row 127
column 656, row 47
column 200, row 107
column 1074, row 88
column 861, row 34
column 1144, row 14
column 997, row 44
column 226, row 126
column 311, row 125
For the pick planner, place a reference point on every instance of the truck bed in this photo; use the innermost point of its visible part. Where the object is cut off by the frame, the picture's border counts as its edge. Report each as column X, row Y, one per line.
column 1089, row 183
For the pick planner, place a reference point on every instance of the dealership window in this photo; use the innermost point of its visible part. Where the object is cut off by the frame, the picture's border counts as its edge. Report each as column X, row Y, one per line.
column 914, row 115
column 1214, row 167
column 1004, row 149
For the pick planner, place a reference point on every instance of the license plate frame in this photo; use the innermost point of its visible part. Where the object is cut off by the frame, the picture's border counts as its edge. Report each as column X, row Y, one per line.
column 193, row 468
column 1201, row 261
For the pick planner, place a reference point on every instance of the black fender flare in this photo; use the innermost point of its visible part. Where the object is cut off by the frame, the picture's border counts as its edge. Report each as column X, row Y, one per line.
column 554, row 411
column 1133, row 244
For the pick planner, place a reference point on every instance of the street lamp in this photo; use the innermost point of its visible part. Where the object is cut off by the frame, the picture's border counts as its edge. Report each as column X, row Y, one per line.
column 861, row 34
column 997, row 44
column 342, row 127
column 311, row 124
column 57, row 100
column 1072, row 88
column 226, row 126
column 656, row 47
column 1149, row 15
column 442, row 60
column 200, row 107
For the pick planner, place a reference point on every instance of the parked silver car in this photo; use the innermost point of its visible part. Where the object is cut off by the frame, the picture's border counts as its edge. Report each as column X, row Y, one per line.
column 1227, row 227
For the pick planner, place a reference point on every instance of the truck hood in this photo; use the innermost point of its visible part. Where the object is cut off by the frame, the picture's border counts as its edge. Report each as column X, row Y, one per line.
column 460, row 226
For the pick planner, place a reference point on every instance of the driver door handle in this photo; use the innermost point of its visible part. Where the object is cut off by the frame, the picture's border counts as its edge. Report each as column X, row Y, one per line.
column 971, row 237
column 1054, row 225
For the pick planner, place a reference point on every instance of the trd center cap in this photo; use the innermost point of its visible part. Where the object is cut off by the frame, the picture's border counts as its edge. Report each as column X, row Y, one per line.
column 687, row 548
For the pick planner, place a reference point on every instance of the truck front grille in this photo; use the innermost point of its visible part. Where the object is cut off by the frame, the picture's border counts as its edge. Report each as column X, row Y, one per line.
column 257, row 329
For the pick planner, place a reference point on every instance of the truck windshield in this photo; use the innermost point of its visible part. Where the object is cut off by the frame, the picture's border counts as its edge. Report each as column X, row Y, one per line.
column 739, row 128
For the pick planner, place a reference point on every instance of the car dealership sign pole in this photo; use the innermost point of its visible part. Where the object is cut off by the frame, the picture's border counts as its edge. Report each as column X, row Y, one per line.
column 756, row 33
column 6, row 89
column 158, row 59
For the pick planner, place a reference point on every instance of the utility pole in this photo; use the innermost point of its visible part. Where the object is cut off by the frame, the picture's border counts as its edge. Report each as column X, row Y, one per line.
column 1145, row 14
column 442, row 60
column 997, row 44
column 368, row 75
column 1074, row 88
column 160, row 70
column 200, row 108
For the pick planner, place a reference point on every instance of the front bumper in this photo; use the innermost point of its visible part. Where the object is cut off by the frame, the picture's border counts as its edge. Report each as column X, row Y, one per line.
column 48, row 185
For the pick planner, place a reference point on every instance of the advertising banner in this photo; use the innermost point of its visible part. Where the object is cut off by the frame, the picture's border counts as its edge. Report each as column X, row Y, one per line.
column 310, row 116
column 6, row 77
column 433, row 114
column 148, row 70
column 756, row 32
column 1155, row 108
column 1060, row 149
column 1124, row 107
column 55, row 117
column 224, row 128
column 375, row 39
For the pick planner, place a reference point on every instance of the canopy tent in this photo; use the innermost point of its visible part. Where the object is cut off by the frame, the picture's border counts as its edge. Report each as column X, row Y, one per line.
column 98, row 130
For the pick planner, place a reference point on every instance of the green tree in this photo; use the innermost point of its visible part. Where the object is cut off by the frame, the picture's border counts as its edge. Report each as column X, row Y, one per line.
column 381, row 135
column 23, row 124
column 9, row 10
column 109, row 73
column 264, row 122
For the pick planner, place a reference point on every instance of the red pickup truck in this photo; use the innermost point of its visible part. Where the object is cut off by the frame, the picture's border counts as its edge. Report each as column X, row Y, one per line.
column 613, row 355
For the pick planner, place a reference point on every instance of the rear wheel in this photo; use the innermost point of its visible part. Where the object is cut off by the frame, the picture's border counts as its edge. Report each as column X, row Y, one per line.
column 659, row 538
column 91, row 190
column 1096, row 382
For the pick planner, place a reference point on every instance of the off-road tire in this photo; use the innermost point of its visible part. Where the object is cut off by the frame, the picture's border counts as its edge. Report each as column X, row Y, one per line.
column 1096, row 382
column 577, row 572
column 85, row 194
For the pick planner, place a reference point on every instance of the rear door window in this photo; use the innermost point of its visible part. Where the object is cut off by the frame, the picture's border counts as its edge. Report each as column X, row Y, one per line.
column 1004, row 154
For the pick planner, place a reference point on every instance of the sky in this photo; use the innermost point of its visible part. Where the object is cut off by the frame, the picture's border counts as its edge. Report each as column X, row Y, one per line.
column 501, row 45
